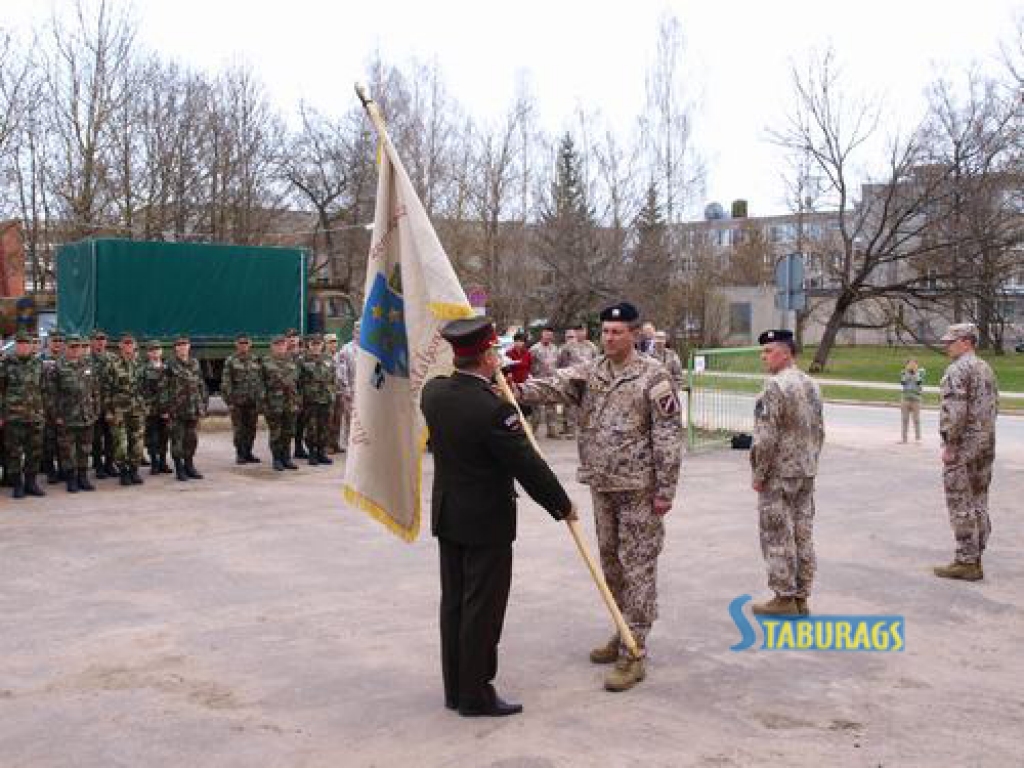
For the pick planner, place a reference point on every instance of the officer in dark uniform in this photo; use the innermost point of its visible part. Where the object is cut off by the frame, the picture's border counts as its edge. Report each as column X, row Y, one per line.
column 479, row 449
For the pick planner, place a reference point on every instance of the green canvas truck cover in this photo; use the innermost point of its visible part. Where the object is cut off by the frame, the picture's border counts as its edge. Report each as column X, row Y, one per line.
column 157, row 289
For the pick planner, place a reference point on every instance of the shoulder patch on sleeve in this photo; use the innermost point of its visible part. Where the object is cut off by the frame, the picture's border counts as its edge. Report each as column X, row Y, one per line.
column 512, row 423
column 664, row 397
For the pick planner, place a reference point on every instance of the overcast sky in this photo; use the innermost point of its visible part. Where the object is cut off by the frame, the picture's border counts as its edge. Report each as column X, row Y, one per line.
column 591, row 54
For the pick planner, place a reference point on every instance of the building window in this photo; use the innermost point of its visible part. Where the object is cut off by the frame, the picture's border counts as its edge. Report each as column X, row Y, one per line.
column 740, row 313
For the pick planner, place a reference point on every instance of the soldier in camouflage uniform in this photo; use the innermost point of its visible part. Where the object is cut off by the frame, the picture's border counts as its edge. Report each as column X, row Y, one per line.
column 668, row 357
column 78, row 397
column 788, row 434
column 334, row 427
column 630, row 447
column 157, row 429
column 967, row 426
column 51, row 451
column 184, row 399
column 280, row 386
column 317, row 390
column 102, row 437
column 241, row 386
column 126, row 409
column 578, row 349
column 22, row 414
column 345, row 374
column 543, row 364
column 296, row 350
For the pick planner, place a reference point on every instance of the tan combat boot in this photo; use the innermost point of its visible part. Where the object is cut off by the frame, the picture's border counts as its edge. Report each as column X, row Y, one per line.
column 962, row 571
column 628, row 671
column 803, row 606
column 607, row 653
column 777, row 606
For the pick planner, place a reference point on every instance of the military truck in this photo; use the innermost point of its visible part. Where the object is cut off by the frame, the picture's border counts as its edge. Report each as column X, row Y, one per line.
column 208, row 292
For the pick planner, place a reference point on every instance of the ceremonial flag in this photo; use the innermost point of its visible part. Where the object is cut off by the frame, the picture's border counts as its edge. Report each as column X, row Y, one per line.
column 411, row 292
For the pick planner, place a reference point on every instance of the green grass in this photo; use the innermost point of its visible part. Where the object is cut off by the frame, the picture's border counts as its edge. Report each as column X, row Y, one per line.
column 885, row 363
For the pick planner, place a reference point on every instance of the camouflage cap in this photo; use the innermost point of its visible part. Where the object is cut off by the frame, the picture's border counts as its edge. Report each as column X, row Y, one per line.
column 314, row 338
column 99, row 334
column 279, row 339
column 330, row 337
column 126, row 337
column 23, row 336
column 56, row 336
column 182, row 340
column 959, row 331
column 291, row 333
column 242, row 337
column 154, row 344
column 73, row 340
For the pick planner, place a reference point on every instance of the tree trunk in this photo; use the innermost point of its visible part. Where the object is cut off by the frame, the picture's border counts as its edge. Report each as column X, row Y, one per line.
column 832, row 328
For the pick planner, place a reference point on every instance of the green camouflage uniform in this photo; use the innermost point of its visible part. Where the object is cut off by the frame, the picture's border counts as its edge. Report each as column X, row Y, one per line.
column 318, row 388
column 788, row 435
column 157, row 430
column 51, row 463
column 184, row 399
column 241, row 386
column 102, row 437
column 78, row 397
column 22, row 410
column 280, row 382
column 125, row 410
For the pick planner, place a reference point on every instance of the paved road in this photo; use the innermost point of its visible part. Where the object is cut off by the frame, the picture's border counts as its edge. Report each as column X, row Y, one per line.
column 252, row 620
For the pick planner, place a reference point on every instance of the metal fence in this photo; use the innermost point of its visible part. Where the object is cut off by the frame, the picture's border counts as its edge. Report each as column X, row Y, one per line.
column 723, row 385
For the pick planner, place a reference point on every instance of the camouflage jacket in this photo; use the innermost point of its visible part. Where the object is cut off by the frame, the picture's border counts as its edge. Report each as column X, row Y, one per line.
column 788, row 427
column 577, row 352
column 21, row 389
column 150, row 385
column 631, row 433
column 316, row 380
column 241, row 383
column 122, row 387
column 969, row 402
column 345, row 369
column 183, row 394
column 51, row 366
column 670, row 359
column 280, row 383
column 99, row 362
column 544, row 359
column 78, row 392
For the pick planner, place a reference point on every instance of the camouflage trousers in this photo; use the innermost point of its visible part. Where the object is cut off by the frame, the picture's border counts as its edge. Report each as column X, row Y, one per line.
column 966, row 485
column 157, row 436
column 51, row 449
column 23, row 446
column 244, row 421
column 344, row 408
column 318, row 423
column 102, row 443
column 334, row 429
column 549, row 415
column 786, row 512
column 570, row 420
column 281, row 426
column 75, row 447
column 184, row 438
column 128, row 431
column 629, row 538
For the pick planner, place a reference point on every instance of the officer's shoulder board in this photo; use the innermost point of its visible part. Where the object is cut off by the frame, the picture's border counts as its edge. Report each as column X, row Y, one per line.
column 663, row 395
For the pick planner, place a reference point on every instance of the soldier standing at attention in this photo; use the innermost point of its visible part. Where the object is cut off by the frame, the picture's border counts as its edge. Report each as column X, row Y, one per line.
column 316, row 387
column 480, row 449
column 788, row 434
column 543, row 364
column 22, row 412
column 630, row 447
column 576, row 351
column 345, row 365
column 667, row 356
column 51, row 451
column 334, row 424
column 77, row 408
column 157, row 429
column 967, row 425
column 102, row 437
column 126, row 409
column 241, row 386
column 296, row 351
column 184, row 400
column 280, row 387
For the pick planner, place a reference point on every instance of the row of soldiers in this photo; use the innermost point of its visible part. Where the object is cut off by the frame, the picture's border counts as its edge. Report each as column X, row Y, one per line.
column 79, row 401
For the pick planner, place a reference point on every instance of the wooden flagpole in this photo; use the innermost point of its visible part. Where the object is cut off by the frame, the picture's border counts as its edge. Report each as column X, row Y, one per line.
column 609, row 600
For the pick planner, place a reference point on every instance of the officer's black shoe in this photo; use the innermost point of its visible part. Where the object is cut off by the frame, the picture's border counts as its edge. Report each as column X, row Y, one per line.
column 143, row 462
column 19, row 488
column 179, row 470
column 278, row 464
column 32, row 487
column 300, row 452
column 125, row 474
column 252, row 458
column 134, row 475
column 53, row 476
column 72, row 483
column 496, row 708
column 288, row 463
column 154, row 466
column 164, row 467
column 323, row 458
column 190, row 470
column 111, row 469
column 101, row 473
column 83, row 481
column 313, row 459
column 240, row 459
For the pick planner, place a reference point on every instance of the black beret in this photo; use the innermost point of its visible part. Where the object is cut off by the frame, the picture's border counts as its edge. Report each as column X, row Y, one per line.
column 769, row 336
column 623, row 311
